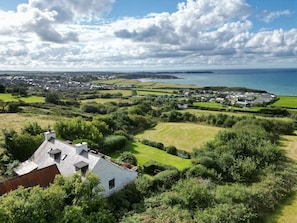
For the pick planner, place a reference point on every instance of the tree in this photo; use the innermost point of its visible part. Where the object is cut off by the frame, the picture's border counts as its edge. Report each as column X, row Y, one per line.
column 32, row 129
column 2, row 88
column 52, row 97
column 78, row 128
column 25, row 145
column 68, row 199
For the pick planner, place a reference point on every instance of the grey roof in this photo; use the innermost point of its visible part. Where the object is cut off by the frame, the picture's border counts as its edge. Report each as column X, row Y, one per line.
column 42, row 158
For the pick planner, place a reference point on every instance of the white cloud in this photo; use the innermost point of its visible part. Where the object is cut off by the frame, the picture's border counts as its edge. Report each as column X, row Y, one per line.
column 49, row 35
column 268, row 16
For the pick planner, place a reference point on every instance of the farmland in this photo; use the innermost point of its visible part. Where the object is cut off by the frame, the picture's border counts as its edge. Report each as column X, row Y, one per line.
column 30, row 99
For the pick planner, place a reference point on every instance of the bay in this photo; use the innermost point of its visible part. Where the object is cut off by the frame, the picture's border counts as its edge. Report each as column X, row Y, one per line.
column 275, row 81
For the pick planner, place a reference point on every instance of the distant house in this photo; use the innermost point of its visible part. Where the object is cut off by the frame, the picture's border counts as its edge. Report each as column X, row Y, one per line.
column 70, row 158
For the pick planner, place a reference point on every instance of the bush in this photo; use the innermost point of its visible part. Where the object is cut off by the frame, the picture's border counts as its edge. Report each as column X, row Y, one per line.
column 157, row 145
column 152, row 167
column 113, row 143
column 165, row 179
column 171, row 150
column 128, row 157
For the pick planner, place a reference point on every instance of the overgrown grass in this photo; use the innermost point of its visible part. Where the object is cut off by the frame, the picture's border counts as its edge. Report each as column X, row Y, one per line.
column 286, row 102
column 184, row 136
column 18, row 121
column 145, row 153
column 30, row 99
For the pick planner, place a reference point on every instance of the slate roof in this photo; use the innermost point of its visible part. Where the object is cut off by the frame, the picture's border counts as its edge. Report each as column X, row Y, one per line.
column 43, row 157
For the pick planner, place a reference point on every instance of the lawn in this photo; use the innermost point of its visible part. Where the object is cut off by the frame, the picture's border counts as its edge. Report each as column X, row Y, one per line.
column 184, row 136
column 145, row 153
column 30, row 99
column 286, row 102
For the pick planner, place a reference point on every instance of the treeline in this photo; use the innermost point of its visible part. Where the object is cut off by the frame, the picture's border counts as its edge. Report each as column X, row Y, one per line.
column 227, row 121
column 240, row 176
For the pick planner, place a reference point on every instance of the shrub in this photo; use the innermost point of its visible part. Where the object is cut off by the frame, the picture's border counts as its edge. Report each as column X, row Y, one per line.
column 113, row 143
column 128, row 157
column 152, row 167
column 165, row 179
column 171, row 150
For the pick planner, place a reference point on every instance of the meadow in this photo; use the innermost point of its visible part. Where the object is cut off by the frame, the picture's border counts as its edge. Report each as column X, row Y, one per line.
column 17, row 121
column 30, row 99
column 144, row 153
column 184, row 136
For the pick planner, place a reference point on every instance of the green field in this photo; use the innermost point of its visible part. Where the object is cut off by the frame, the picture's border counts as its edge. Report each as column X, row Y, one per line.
column 286, row 102
column 184, row 136
column 219, row 106
column 145, row 84
column 30, row 99
column 145, row 153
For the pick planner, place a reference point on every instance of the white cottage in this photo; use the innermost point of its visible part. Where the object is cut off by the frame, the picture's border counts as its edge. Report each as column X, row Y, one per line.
column 70, row 158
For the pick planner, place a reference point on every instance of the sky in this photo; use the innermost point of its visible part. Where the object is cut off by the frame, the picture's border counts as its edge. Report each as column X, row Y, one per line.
column 136, row 35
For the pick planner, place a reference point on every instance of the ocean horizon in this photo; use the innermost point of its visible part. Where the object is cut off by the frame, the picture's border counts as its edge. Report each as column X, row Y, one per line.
column 282, row 81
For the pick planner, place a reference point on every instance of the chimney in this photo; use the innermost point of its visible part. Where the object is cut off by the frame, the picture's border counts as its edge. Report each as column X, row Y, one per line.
column 48, row 135
column 81, row 147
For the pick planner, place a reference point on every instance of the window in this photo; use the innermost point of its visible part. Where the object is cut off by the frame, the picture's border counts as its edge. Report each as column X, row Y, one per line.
column 111, row 184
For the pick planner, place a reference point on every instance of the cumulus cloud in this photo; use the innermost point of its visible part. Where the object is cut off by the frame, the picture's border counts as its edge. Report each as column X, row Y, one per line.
column 50, row 35
column 42, row 17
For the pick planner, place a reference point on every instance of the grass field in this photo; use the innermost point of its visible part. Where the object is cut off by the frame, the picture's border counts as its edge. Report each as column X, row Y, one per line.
column 214, row 105
column 31, row 99
column 145, row 153
column 125, row 93
column 286, row 102
column 145, row 84
column 184, row 136
column 104, row 100
column 18, row 121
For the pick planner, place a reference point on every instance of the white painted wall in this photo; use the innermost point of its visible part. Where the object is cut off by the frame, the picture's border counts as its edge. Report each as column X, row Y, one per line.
column 107, row 171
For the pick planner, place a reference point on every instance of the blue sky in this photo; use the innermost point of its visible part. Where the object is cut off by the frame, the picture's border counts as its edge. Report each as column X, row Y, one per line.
column 147, row 34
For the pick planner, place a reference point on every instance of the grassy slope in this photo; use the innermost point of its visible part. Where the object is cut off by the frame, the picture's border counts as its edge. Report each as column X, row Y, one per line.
column 145, row 153
column 286, row 212
column 30, row 99
column 185, row 136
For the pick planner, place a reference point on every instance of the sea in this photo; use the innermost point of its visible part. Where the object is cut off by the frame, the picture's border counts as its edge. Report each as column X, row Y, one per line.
column 281, row 82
